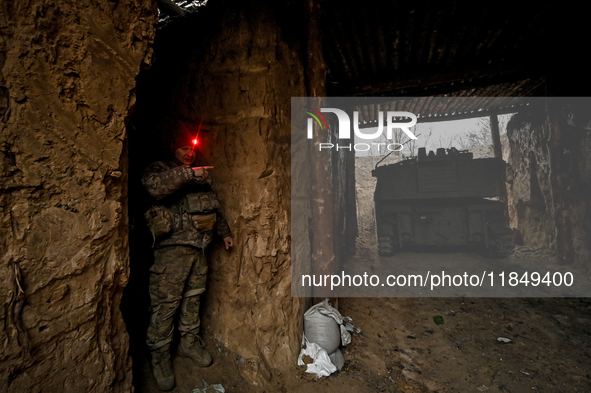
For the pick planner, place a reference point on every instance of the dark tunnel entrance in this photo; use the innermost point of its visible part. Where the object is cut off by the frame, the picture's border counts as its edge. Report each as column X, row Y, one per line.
column 163, row 106
column 228, row 80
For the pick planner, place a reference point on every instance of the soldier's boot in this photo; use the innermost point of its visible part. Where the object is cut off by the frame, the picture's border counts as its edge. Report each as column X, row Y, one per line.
column 162, row 368
column 191, row 346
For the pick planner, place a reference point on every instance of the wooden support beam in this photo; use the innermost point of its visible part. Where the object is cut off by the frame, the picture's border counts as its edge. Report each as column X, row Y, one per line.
column 498, row 153
column 321, row 195
column 315, row 65
column 560, row 144
column 351, row 225
column 496, row 136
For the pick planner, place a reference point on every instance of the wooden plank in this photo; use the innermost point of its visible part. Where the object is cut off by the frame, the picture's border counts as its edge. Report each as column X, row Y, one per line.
column 321, row 194
column 496, row 136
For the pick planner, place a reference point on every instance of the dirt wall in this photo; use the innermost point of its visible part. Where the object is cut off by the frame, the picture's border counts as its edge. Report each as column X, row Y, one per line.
column 236, row 78
column 549, row 188
column 67, row 74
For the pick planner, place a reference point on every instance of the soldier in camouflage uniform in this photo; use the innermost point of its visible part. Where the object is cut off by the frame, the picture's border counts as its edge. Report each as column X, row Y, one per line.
column 186, row 201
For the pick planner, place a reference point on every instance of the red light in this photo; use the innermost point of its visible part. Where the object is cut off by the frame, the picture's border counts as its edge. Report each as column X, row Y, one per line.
column 195, row 141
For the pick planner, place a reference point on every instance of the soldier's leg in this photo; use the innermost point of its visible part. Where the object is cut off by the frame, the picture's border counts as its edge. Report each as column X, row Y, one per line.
column 167, row 279
column 169, row 272
column 189, row 321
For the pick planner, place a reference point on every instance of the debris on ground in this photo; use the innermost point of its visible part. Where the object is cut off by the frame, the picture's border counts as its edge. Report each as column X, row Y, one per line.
column 217, row 388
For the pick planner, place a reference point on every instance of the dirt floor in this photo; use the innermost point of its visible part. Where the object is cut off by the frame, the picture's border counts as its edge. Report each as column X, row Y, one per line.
column 402, row 349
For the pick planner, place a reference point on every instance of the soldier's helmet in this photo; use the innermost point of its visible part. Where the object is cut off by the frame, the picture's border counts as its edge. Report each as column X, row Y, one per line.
column 182, row 137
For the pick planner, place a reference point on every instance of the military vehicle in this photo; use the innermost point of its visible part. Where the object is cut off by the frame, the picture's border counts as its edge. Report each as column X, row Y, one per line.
column 442, row 199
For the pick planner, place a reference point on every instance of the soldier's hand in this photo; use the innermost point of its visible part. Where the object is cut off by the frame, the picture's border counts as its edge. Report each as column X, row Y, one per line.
column 228, row 242
column 201, row 171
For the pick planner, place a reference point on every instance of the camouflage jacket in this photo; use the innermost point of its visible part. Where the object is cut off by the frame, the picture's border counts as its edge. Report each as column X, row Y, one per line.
column 176, row 187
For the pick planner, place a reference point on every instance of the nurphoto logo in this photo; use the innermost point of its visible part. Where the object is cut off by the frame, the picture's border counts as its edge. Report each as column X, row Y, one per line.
column 394, row 120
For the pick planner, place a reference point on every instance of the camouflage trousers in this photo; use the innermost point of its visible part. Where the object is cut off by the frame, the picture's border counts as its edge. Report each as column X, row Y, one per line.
column 177, row 280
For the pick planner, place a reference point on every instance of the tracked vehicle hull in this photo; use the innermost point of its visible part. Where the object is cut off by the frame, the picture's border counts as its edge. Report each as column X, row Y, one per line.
column 444, row 200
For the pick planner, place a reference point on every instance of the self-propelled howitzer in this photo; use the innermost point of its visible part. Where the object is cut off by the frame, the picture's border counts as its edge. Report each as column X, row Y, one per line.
column 441, row 199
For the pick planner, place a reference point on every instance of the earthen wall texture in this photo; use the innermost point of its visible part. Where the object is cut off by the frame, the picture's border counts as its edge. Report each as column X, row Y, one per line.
column 67, row 79
column 529, row 192
column 236, row 78
column 550, row 186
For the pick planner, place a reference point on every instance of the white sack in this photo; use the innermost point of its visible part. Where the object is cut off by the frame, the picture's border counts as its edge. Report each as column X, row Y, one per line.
column 337, row 359
column 322, row 365
column 325, row 329
column 319, row 328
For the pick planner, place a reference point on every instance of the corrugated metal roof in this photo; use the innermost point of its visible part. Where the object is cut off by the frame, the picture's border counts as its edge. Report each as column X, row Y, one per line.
column 435, row 109
column 427, row 48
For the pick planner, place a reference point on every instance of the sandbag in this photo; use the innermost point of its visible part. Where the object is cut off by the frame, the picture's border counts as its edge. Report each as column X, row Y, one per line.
column 325, row 329
column 321, row 329
column 337, row 359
